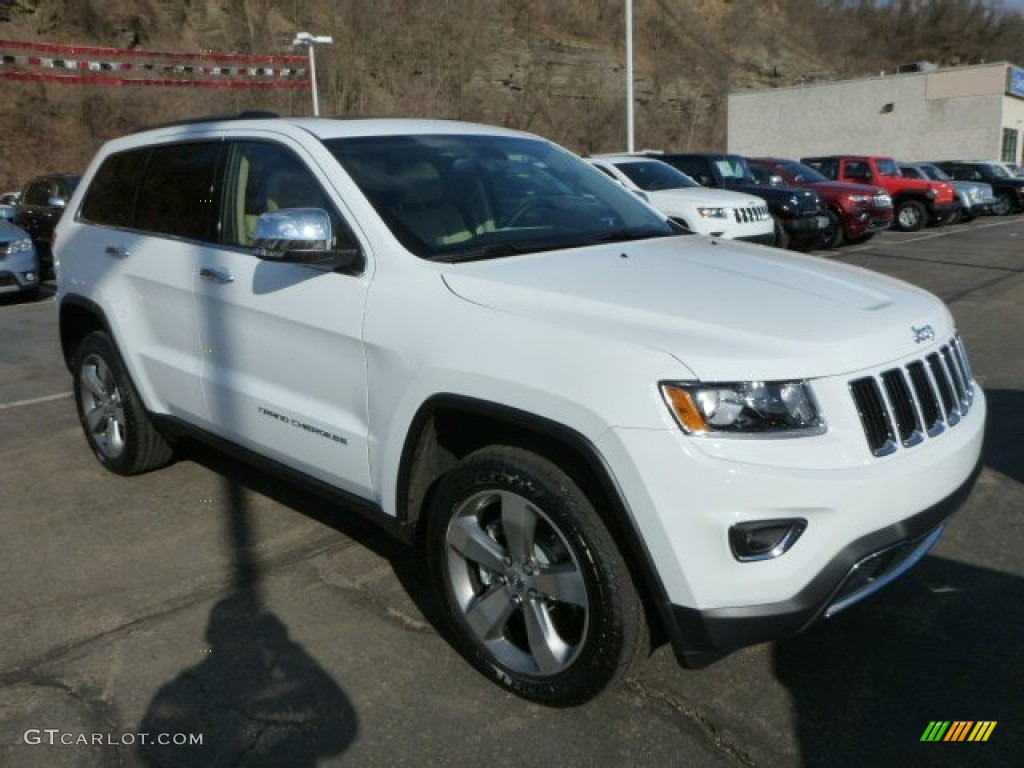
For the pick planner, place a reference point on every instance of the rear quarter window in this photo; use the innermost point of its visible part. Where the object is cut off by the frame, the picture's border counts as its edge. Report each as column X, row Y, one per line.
column 110, row 199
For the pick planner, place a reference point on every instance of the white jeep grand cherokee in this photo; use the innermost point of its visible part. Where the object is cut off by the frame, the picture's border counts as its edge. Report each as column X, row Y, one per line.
column 595, row 426
column 701, row 210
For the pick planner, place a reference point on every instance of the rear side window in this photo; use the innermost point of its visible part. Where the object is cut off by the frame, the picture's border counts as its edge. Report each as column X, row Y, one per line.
column 110, row 199
column 176, row 196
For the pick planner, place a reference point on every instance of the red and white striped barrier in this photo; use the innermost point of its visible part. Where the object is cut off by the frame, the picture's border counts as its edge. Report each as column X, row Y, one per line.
column 93, row 65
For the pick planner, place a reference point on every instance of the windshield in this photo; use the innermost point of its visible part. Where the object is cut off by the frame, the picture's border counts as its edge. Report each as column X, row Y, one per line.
column 887, row 167
column 933, row 172
column 734, row 169
column 654, row 175
column 453, row 197
column 800, row 173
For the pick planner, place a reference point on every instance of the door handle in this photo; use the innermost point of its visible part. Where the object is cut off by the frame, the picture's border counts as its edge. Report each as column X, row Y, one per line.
column 117, row 251
column 216, row 275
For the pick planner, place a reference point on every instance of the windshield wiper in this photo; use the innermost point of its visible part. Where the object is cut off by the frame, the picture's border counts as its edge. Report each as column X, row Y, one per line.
column 623, row 235
column 492, row 251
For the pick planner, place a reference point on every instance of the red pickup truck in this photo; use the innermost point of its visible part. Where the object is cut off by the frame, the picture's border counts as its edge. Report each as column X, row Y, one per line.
column 916, row 202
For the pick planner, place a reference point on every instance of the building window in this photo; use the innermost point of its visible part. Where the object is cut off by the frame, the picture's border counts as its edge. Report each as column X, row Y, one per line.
column 1009, row 154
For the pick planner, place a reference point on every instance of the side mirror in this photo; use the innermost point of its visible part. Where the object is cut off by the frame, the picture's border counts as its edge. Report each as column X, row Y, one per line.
column 57, row 202
column 300, row 236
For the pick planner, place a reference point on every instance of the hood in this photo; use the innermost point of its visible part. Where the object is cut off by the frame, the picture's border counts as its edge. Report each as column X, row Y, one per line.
column 777, row 195
column 837, row 188
column 704, row 196
column 728, row 311
column 9, row 232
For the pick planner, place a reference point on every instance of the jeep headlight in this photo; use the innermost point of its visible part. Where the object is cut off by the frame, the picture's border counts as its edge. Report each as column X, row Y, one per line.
column 712, row 213
column 768, row 408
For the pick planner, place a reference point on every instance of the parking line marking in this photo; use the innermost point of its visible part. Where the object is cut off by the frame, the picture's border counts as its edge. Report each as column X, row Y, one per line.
column 35, row 401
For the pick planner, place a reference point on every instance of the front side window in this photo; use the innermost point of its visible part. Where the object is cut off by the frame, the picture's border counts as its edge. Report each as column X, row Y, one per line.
column 261, row 177
column 455, row 197
column 176, row 195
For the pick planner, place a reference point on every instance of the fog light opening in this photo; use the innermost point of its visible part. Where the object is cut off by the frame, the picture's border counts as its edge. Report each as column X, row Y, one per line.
column 764, row 539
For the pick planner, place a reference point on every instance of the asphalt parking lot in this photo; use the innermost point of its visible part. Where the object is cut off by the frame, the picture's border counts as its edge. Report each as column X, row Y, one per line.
column 207, row 599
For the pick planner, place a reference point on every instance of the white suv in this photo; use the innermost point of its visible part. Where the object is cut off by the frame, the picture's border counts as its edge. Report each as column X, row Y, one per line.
column 596, row 426
column 704, row 211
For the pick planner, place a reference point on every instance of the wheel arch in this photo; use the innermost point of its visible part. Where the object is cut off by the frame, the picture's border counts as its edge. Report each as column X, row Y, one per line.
column 448, row 427
column 78, row 317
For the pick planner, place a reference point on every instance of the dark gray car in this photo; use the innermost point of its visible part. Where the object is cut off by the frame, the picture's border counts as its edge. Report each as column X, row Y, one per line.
column 39, row 209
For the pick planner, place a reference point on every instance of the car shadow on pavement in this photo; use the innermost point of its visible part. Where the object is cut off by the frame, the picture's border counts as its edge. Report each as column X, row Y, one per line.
column 258, row 699
column 408, row 563
column 1004, row 432
column 866, row 684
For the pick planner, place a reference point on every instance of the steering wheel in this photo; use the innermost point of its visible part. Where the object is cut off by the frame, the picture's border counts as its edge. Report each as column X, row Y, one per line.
column 544, row 201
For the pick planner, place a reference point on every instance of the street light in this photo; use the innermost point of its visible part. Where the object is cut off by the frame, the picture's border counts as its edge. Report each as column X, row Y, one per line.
column 629, row 76
column 311, row 41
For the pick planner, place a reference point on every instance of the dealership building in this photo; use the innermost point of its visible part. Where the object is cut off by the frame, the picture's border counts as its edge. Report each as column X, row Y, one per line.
column 919, row 113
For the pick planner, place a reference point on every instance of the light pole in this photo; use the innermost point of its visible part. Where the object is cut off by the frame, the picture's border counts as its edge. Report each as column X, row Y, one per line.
column 311, row 41
column 629, row 76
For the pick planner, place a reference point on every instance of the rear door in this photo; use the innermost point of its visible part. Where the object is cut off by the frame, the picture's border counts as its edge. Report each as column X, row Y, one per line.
column 150, row 213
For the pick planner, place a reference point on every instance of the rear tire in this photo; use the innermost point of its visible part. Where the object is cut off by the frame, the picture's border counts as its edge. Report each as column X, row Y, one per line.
column 533, row 589
column 112, row 415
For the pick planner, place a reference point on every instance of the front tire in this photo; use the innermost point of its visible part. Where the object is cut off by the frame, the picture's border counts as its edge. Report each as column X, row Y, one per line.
column 782, row 239
column 112, row 415
column 833, row 235
column 534, row 591
column 1003, row 205
column 910, row 216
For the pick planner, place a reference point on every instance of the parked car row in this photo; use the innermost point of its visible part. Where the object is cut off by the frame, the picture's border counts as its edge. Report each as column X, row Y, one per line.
column 823, row 201
column 27, row 221
column 768, row 200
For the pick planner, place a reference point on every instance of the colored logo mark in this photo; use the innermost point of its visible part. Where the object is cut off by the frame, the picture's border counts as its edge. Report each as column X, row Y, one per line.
column 958, row 730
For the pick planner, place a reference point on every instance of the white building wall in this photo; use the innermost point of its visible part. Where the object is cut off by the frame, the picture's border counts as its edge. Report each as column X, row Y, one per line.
column 933, row 116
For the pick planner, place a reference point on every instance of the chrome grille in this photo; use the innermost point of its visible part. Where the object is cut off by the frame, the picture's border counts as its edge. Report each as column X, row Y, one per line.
column 752, row 213
column 901, row 407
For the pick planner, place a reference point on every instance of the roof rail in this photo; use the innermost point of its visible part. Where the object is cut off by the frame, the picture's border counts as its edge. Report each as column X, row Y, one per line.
column 254, row 114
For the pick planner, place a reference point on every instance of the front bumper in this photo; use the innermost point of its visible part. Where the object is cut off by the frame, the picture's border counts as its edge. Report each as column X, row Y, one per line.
column 858, row 571
column 936, row 210
column 868, row 511
column 19, row 272
column 805, row 225
column 867, row 220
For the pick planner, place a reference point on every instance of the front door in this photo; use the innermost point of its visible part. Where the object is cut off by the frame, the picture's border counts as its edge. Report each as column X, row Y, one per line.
column 283, row 363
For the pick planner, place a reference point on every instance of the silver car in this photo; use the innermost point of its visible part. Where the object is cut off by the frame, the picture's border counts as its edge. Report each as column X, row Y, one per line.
column 19, row 262
column 976, row 197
